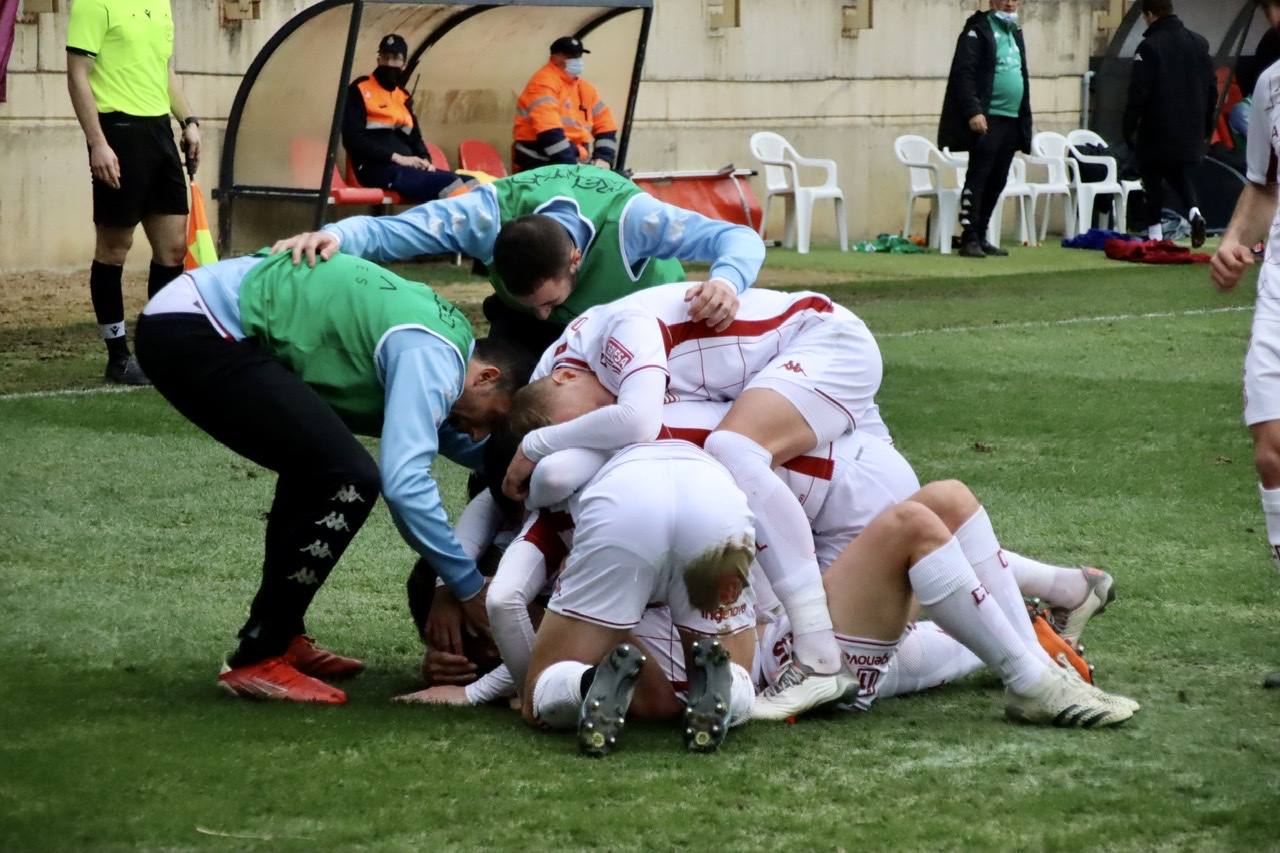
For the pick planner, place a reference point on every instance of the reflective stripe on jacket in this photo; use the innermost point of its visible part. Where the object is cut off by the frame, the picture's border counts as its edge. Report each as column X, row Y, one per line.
column 385, row 110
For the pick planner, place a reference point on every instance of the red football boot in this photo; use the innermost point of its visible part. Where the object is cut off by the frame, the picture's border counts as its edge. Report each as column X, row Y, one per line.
column 276, row 678
column 317, row 661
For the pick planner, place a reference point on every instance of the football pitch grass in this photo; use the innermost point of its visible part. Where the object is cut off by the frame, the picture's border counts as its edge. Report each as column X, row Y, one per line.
column 1094, row 408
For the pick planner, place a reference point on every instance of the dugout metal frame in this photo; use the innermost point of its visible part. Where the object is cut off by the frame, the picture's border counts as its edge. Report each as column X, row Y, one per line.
column 260, row 182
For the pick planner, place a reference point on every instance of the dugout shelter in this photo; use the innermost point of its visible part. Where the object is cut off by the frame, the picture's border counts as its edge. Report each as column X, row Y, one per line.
column 282, row 158
column 1233, row 29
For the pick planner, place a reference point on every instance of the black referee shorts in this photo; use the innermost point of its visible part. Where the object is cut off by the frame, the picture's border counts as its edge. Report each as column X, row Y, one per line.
column 150, row 171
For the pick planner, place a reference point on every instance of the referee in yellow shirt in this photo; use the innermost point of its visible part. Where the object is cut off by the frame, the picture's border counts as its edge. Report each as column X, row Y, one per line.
column 123, row 87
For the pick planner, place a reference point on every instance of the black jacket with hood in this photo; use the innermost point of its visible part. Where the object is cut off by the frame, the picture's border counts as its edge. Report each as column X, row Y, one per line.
column 969, row 85
column 1173, row 94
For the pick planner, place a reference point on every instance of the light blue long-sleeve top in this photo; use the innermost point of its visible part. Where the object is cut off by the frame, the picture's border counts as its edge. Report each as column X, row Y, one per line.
column 469, row 224
column 422, row 377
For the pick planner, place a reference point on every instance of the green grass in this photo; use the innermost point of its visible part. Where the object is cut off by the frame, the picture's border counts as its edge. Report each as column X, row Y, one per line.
column 131, row 545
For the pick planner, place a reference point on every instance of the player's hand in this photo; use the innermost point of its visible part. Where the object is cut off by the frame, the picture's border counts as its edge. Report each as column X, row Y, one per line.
column 516, row 484
column 714, row 302
column 978, row 124
column 446, row 668
column 310, row 244
column 443, row 694
column 191, row 148
column 444, row 622
column 476, row 614
column 1229, row 263
column 105, row 165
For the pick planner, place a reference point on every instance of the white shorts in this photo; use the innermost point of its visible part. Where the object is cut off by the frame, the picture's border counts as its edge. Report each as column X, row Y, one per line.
column 638, row 526
column 830, row 372
column 872, row 476
column 662, row 642
column 1262, row 372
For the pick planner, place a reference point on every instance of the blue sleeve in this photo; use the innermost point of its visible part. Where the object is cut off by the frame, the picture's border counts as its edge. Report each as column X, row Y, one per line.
column 422, row 376
column 459, row 447
column 467, row 224
column 655, row 229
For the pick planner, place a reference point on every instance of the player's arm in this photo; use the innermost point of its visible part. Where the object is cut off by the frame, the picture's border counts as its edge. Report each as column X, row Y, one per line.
column 182, row 111
column 561, row 474
column 466, row 224
column 521, row 573
column 1256, row 207
column 422, row 375
column 86, row 29
column 655, row 229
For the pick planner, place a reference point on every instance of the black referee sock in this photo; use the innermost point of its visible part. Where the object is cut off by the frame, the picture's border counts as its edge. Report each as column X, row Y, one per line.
column 159, row 276
column 106, row 292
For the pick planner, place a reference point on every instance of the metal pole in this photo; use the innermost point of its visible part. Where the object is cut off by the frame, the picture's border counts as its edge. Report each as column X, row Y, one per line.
column 1086, row 85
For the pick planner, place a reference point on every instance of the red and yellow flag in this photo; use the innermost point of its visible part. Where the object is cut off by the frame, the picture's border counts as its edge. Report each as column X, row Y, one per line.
column 200, row 249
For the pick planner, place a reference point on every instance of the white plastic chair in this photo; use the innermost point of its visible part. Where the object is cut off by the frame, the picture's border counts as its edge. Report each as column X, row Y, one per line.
column 1016, row 187
column 918, row 155
column 1088, row 137
column 1050, row 151
column 782, row 165
column 1088, row 191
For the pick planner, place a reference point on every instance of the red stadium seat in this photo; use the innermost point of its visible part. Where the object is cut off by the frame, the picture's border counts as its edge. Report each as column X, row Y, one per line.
column 438, row 158
column 306, row 157
column 477, row 156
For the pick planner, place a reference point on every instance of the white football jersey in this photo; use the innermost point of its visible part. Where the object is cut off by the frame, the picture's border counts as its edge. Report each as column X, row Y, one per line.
column 1263, row 153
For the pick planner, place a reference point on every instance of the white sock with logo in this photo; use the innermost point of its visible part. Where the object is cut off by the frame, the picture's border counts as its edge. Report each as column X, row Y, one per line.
column 1155, row 232
column 111, row 331
column 1056, row 585
column 786, row 552
column 927, row 657
column 1271, row 512
column 742, row 694
column 950, row 592
column 1193, row 213
column 557, row 694
column 867, row 659
column 978, row 541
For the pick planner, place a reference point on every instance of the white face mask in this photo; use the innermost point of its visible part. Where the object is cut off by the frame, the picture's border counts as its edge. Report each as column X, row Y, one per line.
column 1008, row 17
column 573, row 66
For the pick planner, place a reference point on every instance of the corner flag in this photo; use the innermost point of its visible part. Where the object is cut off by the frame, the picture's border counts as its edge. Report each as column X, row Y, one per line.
column 200, row 249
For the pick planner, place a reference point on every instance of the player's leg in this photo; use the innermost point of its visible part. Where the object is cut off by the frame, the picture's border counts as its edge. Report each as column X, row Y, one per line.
column 1153, row 175
column 563, row 667
column 106, row 292
column 164, row 204
column 721, row 690
column 927, row 657
column 166, row 232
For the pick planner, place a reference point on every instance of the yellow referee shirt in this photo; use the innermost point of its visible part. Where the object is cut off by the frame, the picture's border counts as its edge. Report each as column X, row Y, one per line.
column 131, row 42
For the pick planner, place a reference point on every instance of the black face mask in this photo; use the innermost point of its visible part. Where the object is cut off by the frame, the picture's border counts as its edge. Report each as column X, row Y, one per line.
column 387, row 77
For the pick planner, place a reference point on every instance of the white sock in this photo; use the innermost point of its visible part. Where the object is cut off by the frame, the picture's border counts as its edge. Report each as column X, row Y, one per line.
column 741, row 694
column 867, row 659
column 111, row 331
column 1271, row 512
column 1056, row 585
column 978, row 541
column 927, row 657
column 557, row 695
column 785, row 552
column 949, row 590
column 1193, row 213
column 1155, row 232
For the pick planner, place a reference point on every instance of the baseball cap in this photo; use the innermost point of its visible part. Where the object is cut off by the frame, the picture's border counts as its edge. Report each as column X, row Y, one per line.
column 393, row 43
column 569, row 46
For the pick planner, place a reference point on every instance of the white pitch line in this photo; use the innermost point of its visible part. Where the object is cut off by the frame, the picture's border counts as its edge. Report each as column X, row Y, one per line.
column 914, row 333
column 1070, row 321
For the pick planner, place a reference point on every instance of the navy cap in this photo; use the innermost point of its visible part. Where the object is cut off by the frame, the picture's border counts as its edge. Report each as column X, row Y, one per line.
column 569, row 46
column 393, row 43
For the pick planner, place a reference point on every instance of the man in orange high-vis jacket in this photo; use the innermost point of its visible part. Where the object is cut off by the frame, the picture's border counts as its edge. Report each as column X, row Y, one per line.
column 382, row 136
column 560, row 118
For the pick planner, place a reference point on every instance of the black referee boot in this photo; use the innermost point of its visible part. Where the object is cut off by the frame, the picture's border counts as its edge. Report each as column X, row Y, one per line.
column 123, row 369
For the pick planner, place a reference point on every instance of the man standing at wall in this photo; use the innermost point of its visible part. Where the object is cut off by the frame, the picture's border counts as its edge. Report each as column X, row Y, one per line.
column 1173, row 95
column 123, row 88
column 987, row 112
column 559, row 114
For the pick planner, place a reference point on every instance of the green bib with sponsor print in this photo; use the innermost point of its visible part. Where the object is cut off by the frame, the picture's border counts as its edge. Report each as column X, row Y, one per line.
column 326, row 324
column 601, row 197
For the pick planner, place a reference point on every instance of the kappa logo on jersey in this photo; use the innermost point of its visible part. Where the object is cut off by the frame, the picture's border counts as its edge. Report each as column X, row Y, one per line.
column 347, row 495
column 615, row 356
column 334, row 521
column 979, row 594
column 318, row 549
column 306, row 577
column 794, row 367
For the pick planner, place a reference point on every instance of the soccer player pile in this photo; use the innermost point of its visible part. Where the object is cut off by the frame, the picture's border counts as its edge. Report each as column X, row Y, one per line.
column 712, row 526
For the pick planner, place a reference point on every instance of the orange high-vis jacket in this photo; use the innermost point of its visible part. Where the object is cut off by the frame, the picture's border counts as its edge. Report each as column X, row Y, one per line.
column 558, row 118
column 383, row 109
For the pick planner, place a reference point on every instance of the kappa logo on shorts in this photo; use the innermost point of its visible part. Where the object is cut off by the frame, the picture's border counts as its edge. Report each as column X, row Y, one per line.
column 615, row 356
column 318, row 549
column 794, row 367
column 334, row 521
column 347, row 495
column 306, row 577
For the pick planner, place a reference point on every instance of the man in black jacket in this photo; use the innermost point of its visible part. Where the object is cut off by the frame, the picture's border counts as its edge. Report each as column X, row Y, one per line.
column 381, row 133
column 1172, row 98
column 987, row 112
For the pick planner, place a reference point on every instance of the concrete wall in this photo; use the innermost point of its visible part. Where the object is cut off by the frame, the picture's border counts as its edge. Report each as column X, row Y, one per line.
column 786, row 68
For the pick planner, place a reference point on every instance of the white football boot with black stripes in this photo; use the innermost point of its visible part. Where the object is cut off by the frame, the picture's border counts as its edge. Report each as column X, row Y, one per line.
column 1061, row 700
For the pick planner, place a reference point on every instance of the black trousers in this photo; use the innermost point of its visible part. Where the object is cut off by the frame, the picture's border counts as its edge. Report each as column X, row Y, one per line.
column 241, row 395
column 1155, row 175
column 522, row 329
column 989, row 159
